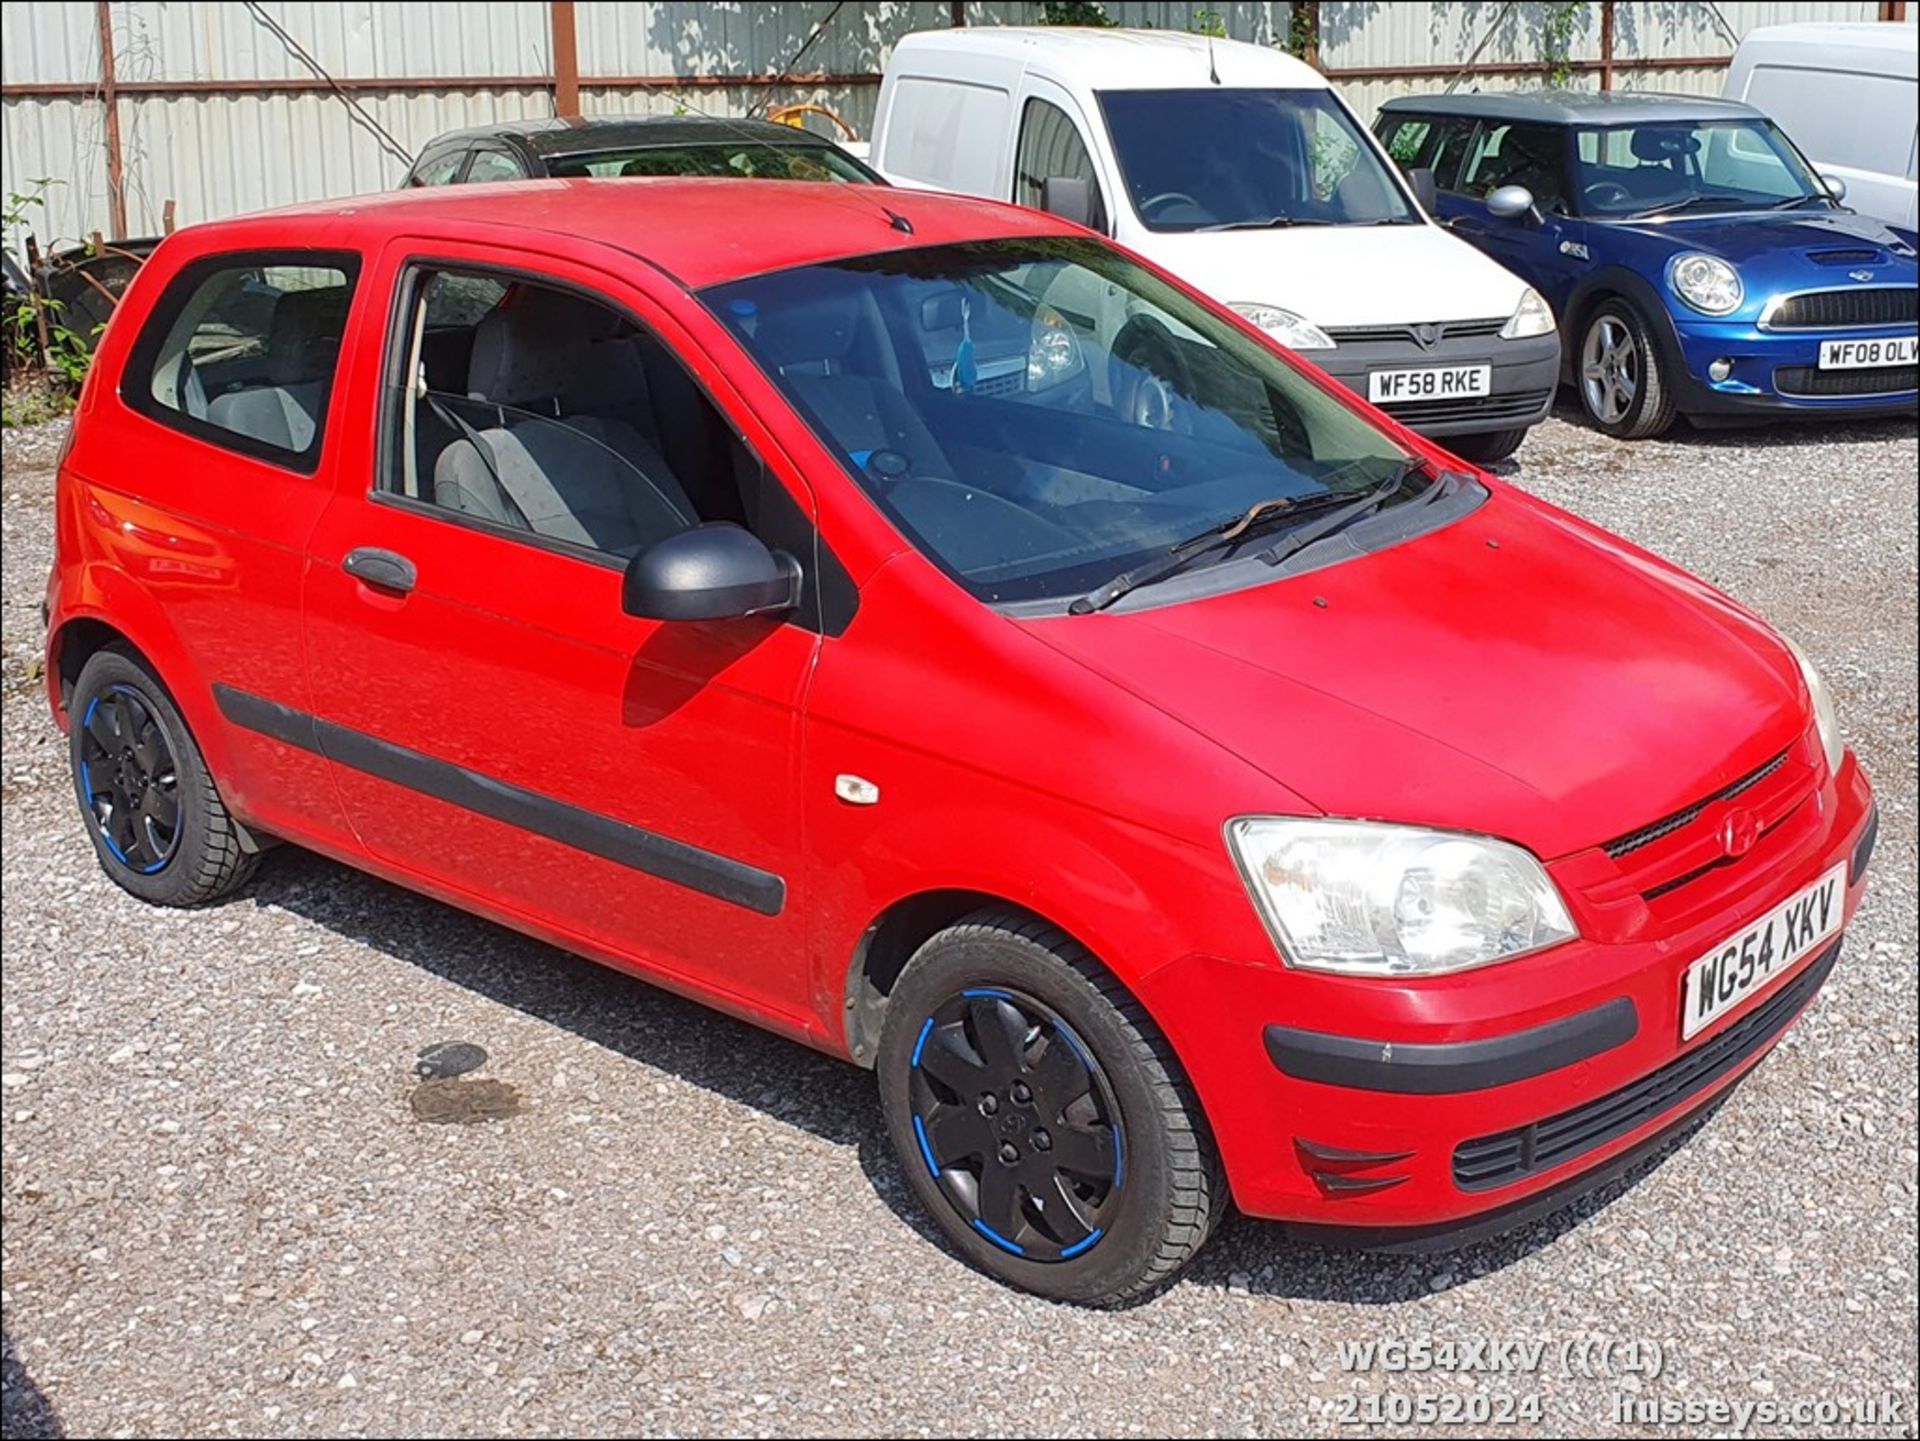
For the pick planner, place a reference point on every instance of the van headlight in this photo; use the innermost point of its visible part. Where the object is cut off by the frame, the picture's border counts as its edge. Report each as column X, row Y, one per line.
column 1053, row 350
column 1531, row 317
column 1706, row 282
column 1826, row 719
column 1366, row 899
column 1296, row 332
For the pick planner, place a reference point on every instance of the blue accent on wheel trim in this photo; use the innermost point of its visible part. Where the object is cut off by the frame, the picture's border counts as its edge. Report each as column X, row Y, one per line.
column 994, row 1236
column 988, row 991
column 920, row 1130
column 1078, row 1246
column 86, row 793
column 1119, row 1160
column 921, row 1044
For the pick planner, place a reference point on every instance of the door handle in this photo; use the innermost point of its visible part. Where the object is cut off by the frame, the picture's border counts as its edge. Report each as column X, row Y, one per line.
column 386, row 569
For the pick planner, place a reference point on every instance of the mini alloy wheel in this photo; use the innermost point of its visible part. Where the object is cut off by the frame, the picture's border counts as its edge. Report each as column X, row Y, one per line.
column 128, row 780
column 1017, row 1124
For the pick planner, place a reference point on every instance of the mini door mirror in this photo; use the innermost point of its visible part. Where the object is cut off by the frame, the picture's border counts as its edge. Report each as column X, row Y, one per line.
column 1425, row 188
column 1068, row 197
column 1836, row 187
column 1512, row 202
column 715, row 571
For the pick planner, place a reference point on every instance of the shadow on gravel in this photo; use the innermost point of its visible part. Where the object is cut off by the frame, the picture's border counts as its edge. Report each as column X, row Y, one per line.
column 24, row 1409
column 802, row 1087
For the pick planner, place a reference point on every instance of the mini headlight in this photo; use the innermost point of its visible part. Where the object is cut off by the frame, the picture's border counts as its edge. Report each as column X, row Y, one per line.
column 1706, row 282
column 1532, row 316
column 1053, row 351
column 1367, row 899
column 1826, row 719
column 1295, row 332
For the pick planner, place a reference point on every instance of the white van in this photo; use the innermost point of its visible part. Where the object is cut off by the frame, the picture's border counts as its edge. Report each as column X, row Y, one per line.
column 1239, row 169
column 1847, row 96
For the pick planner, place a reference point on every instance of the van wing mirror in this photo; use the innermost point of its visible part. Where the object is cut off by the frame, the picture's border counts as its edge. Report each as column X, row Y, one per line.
column 1069, row 197
column 715, row 571
column 1425, row 188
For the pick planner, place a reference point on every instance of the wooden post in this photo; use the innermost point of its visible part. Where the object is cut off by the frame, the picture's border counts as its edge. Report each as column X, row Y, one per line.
column 566, row 59
column 1311, row 8
column 34, row 278
column 1606, row 44
column 957, row 13
column 1893, row 10
column 166, row 218
column 110, row 98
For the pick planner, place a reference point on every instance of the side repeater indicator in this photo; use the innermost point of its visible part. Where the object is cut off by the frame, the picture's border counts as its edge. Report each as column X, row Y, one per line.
column 856, row 790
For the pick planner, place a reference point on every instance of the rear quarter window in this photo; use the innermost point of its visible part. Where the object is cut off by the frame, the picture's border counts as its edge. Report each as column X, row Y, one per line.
column 948, row 133
column 241, row 352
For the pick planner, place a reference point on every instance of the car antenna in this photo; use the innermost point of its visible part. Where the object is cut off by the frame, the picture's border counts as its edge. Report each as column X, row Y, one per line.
column 1213, row 71
column 898, row 221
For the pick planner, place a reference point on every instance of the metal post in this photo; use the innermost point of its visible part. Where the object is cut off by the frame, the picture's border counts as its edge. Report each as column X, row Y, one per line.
column 566, row 59
column 110, row 97
column 1893, row 10
column 1311, row 10
column 957, row 13
column 1606, row 44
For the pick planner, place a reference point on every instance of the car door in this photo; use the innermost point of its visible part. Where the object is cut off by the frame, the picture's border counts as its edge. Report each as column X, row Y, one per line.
column 499, row 728
column 1541, row 248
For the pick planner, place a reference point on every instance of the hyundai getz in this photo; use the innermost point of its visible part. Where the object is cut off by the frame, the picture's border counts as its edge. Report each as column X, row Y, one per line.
column 1253, row 807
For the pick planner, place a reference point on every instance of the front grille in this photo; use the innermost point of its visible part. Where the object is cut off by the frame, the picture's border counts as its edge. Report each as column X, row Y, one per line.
column 1828, row 309
column 1516, row 405
column 1807, row 380
column 1500, row 1160
column 1400, row 334
column 1680, row 819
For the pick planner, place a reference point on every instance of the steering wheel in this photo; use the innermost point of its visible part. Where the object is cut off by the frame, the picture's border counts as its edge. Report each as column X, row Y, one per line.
column 1606, row 193
column 1166, row 197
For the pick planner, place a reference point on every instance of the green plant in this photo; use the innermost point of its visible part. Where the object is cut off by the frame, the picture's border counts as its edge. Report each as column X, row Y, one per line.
column 1075, row 12
column 66, row 352
column 1206, row 21
column 1557, row 26
column 1303, row 31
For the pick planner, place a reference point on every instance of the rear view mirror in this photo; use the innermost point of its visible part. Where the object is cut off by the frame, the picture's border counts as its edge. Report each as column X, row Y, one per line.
column 1425, row 188
column 1068, row 197
column 715, row 571
column 1512, row 202
column 942, row 311
column 1836, row 187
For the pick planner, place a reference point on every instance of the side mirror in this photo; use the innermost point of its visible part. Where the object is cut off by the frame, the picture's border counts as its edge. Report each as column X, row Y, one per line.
column 1836, row 187
column 1425, row 188
column 1513, row 202
column 1068, row 197
column 715, row 571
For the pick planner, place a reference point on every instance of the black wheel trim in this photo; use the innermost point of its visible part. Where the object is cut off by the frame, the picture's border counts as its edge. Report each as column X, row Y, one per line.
column 1056, row 1194
column 129, row 784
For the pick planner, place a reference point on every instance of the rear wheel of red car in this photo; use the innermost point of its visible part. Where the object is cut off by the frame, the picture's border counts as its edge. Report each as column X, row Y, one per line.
column 1041, row 1118
column 1487, row 447
column 156, row 822
column 1620, row 377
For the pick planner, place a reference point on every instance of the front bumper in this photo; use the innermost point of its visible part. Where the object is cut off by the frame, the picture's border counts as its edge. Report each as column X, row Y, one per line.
column 1525, row 374
column 1778, row 373
column 1421, row 1109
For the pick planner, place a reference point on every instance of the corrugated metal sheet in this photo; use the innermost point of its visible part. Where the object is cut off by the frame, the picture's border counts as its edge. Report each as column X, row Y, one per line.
column 218, row 155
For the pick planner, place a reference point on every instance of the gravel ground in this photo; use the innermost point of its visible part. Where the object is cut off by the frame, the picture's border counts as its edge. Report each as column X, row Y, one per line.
column 224, row 1217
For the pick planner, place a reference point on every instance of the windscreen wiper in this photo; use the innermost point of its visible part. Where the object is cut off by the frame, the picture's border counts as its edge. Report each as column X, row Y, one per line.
column 1298, row 539
column 1673, row 206
column 1228, row 536
column 1270, row 222
column 1794, row 202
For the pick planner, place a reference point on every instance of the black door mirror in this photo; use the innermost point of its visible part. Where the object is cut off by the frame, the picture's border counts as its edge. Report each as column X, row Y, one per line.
column 715, row 571
column 1425, row 188
column 1068, row 197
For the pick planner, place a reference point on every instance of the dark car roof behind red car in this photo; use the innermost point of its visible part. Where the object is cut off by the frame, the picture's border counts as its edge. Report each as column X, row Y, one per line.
column 700, row 231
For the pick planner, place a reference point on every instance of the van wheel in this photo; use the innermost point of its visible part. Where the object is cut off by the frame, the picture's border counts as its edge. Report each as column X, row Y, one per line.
column 157, row 823
column 1620, row 378
column 1488, row 447
column 1040, row 1117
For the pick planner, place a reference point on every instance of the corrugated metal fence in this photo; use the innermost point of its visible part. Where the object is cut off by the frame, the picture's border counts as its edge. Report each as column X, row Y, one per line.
column 227, row 107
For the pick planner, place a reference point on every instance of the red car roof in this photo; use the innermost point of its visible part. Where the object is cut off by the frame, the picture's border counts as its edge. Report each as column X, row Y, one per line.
column 701, row 231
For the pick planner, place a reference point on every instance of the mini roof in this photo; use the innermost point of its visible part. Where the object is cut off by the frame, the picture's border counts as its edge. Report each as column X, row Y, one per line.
column 1576, row 107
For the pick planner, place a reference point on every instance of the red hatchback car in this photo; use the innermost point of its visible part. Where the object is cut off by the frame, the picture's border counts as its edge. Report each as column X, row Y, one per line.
column 1232, row 796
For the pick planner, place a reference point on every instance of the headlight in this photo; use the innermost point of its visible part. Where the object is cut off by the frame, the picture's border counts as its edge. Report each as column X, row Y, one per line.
column 1365, row 899
column 1706, row 282
column 1826, row 719
column 1532, row 316
column 1295, row 332
column 1053, row 351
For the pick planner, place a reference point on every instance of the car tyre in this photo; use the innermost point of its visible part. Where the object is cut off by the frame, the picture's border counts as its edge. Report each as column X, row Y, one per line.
column 153, row 813
column 1620, row 376
column 1488, row 447
column 1004, row 1006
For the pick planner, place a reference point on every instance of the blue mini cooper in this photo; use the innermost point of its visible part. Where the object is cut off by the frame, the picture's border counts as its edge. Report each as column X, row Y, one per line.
column 1696, row 263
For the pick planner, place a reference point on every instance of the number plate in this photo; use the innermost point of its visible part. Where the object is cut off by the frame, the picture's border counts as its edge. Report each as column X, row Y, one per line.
column 1762, row 953
column 1869, row 354
column 1435, row 382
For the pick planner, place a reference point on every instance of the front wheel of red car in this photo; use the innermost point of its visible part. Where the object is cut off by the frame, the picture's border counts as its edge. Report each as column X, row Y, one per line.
column 156, row 821
column 1041, row 1118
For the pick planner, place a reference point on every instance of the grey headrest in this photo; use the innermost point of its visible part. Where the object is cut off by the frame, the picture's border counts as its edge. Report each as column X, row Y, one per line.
column 304, row 339
column 534, row 347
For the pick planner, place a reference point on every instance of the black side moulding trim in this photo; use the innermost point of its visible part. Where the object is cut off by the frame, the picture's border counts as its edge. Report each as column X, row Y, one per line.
column 656, row 855
column 1863, row 848
column 1448, row 1067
